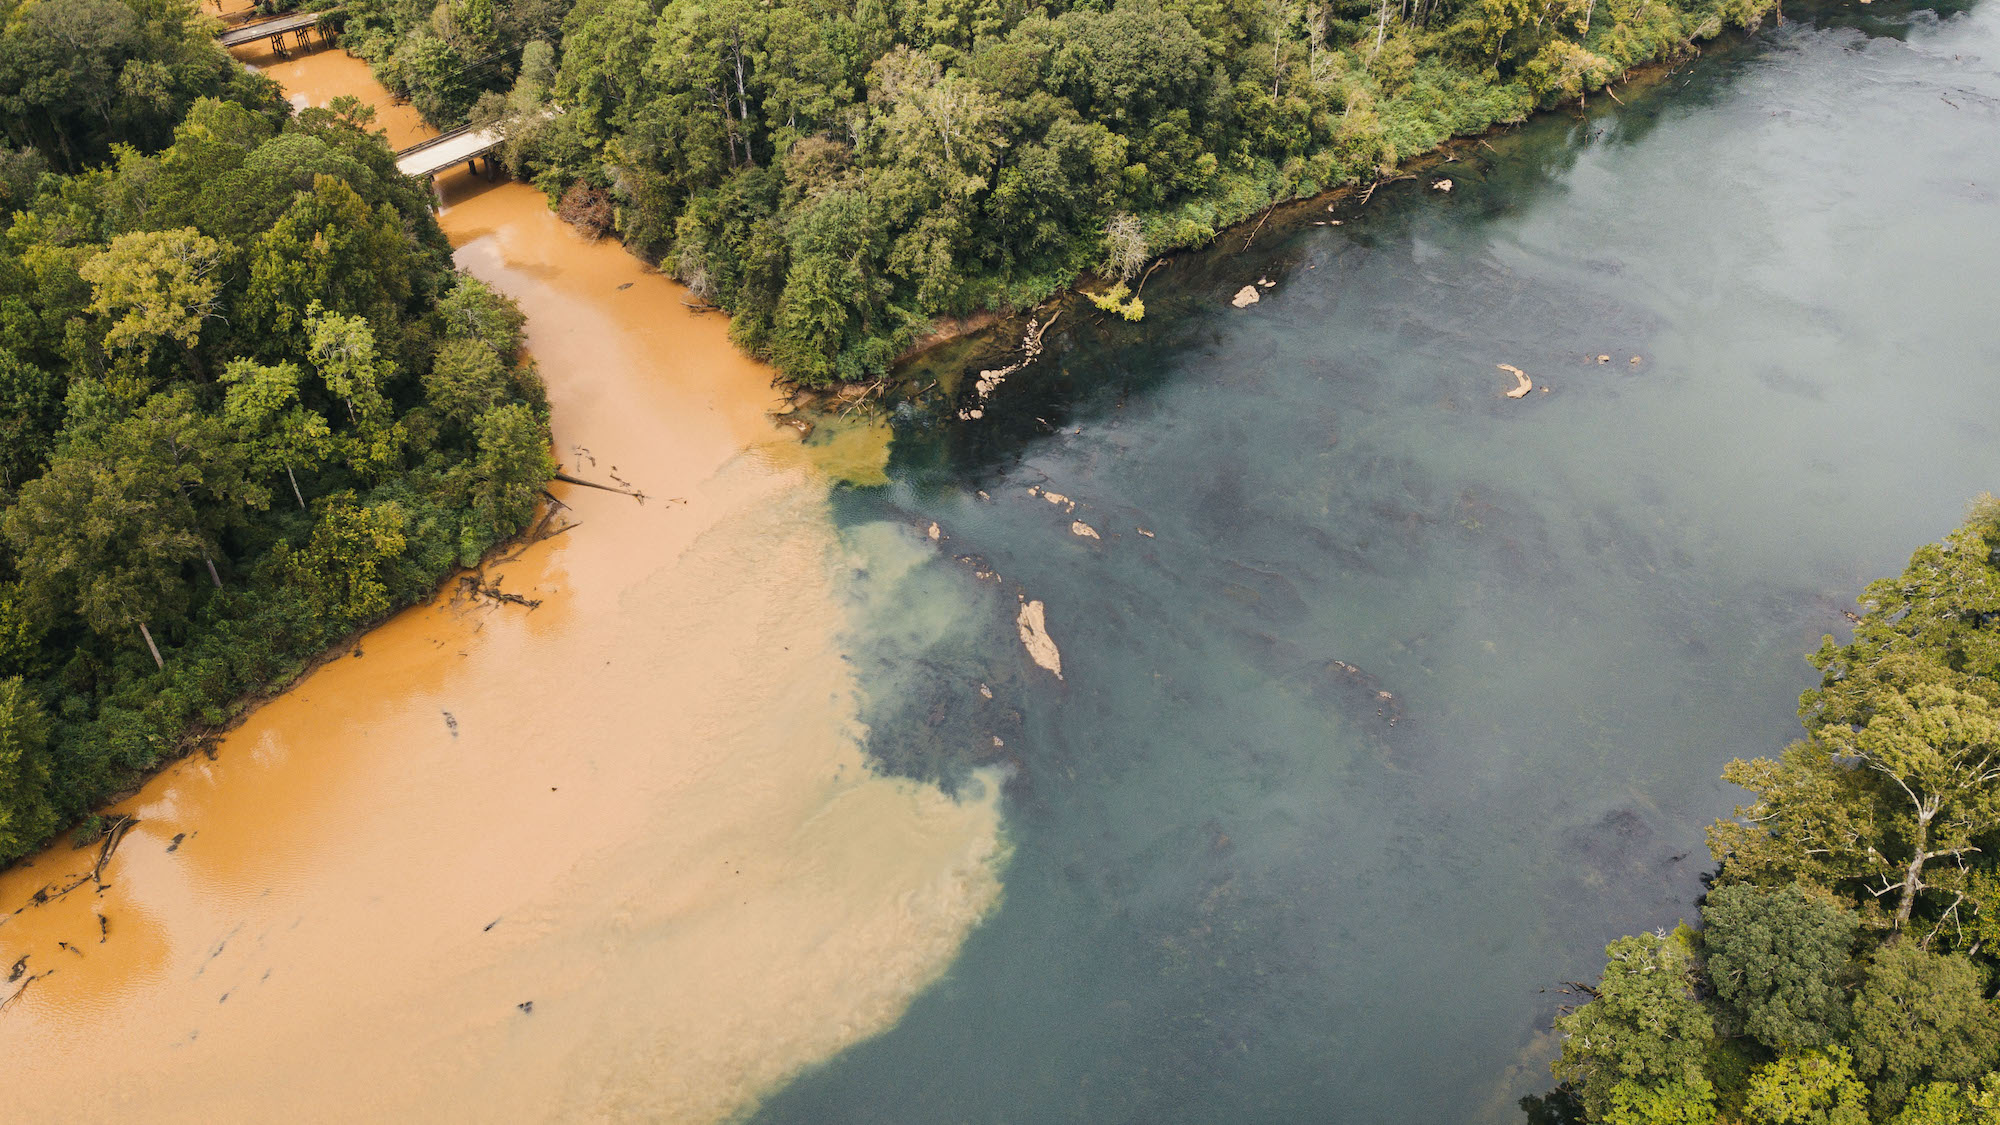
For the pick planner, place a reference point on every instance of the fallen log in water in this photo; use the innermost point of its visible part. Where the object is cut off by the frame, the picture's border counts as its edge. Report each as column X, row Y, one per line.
column 567, row 479
column 111, row 839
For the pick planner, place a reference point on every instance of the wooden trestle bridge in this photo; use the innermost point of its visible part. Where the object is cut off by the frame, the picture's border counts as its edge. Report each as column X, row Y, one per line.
column 423, row 160
column 301, row 26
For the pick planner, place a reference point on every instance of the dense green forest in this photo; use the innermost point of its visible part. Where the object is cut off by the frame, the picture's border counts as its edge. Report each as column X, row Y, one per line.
column 245, row 403
column 1845, row 964
column 842, row 174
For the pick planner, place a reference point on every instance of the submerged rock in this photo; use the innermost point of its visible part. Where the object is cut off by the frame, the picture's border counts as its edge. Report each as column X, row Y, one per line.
column 1058, row 499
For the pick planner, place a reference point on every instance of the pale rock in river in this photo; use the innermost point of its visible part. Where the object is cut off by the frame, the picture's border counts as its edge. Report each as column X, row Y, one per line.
column 1035, row 637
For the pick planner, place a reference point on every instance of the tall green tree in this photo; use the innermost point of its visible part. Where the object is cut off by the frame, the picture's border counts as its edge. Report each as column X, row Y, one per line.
column 1878, row 805
column 507, row 475
column 1812, row 1087
column 338, row 571
column 330, row 249
column 155, row 286
column 1778, row 958
column 31, row 401
column 26, row 817
column 1921, row 1017
column 277, row 431
column 1937, row 608
column 105, row 532
column 342, row 349
column 1645, row 1026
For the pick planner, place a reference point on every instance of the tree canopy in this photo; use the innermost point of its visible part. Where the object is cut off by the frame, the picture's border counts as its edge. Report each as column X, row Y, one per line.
column 1847, row 947
column 246, row 405
column 841, row 176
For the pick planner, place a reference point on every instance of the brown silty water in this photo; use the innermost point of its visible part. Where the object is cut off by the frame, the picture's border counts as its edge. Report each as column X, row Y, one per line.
column 615, row 857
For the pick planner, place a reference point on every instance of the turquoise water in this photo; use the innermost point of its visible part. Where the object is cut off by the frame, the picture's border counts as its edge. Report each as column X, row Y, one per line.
column 1246, row 886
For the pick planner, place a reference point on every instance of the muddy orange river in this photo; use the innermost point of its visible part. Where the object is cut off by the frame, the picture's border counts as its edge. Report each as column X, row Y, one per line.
column 619, row 856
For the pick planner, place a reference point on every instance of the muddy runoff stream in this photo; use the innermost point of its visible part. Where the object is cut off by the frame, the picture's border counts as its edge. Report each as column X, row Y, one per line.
column 615, row 857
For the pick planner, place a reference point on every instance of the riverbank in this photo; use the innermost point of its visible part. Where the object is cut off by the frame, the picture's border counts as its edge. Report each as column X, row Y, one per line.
column 615, row 855
column 852, row 222
column 1273, row 218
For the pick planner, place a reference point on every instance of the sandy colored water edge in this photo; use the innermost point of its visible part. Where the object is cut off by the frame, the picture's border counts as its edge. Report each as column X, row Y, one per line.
column 315, row 75
column 617, row 858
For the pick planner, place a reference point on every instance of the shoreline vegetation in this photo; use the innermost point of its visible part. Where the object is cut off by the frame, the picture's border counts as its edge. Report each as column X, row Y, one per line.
column 853, row 183
column 248, row 406
column 250, row 409
column 1842, row 973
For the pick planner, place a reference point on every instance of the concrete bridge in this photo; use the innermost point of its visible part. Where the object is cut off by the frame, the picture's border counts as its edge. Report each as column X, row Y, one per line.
column 426, row 159
column 463, row 144
column 302, row 26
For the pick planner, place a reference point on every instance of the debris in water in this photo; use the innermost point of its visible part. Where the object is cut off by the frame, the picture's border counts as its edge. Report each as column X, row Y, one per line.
column 934, row 533
column 1523, row 384
column 1083, row 530
column 1031, row 347
column 1035, row 637
column 526, row 1005
column 1635, row 359
column 176, row 844
column 1604, row 359
column 451, row 723
column 986, row 691
column 1441, row 185
column 1058, row 499
column 1265, row 283
column 983, row 496
column 1245, row 297
column 997, row 744
column 1145, row 533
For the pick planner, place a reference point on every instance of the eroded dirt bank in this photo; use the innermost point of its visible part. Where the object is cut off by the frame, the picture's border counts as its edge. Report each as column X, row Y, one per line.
column 616, row 857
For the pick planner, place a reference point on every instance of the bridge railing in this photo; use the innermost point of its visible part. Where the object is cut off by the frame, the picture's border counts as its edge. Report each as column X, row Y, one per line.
column 433, row 142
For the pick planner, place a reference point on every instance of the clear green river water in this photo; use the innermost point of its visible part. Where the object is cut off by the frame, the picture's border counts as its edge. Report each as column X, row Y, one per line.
column 1245, row 885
